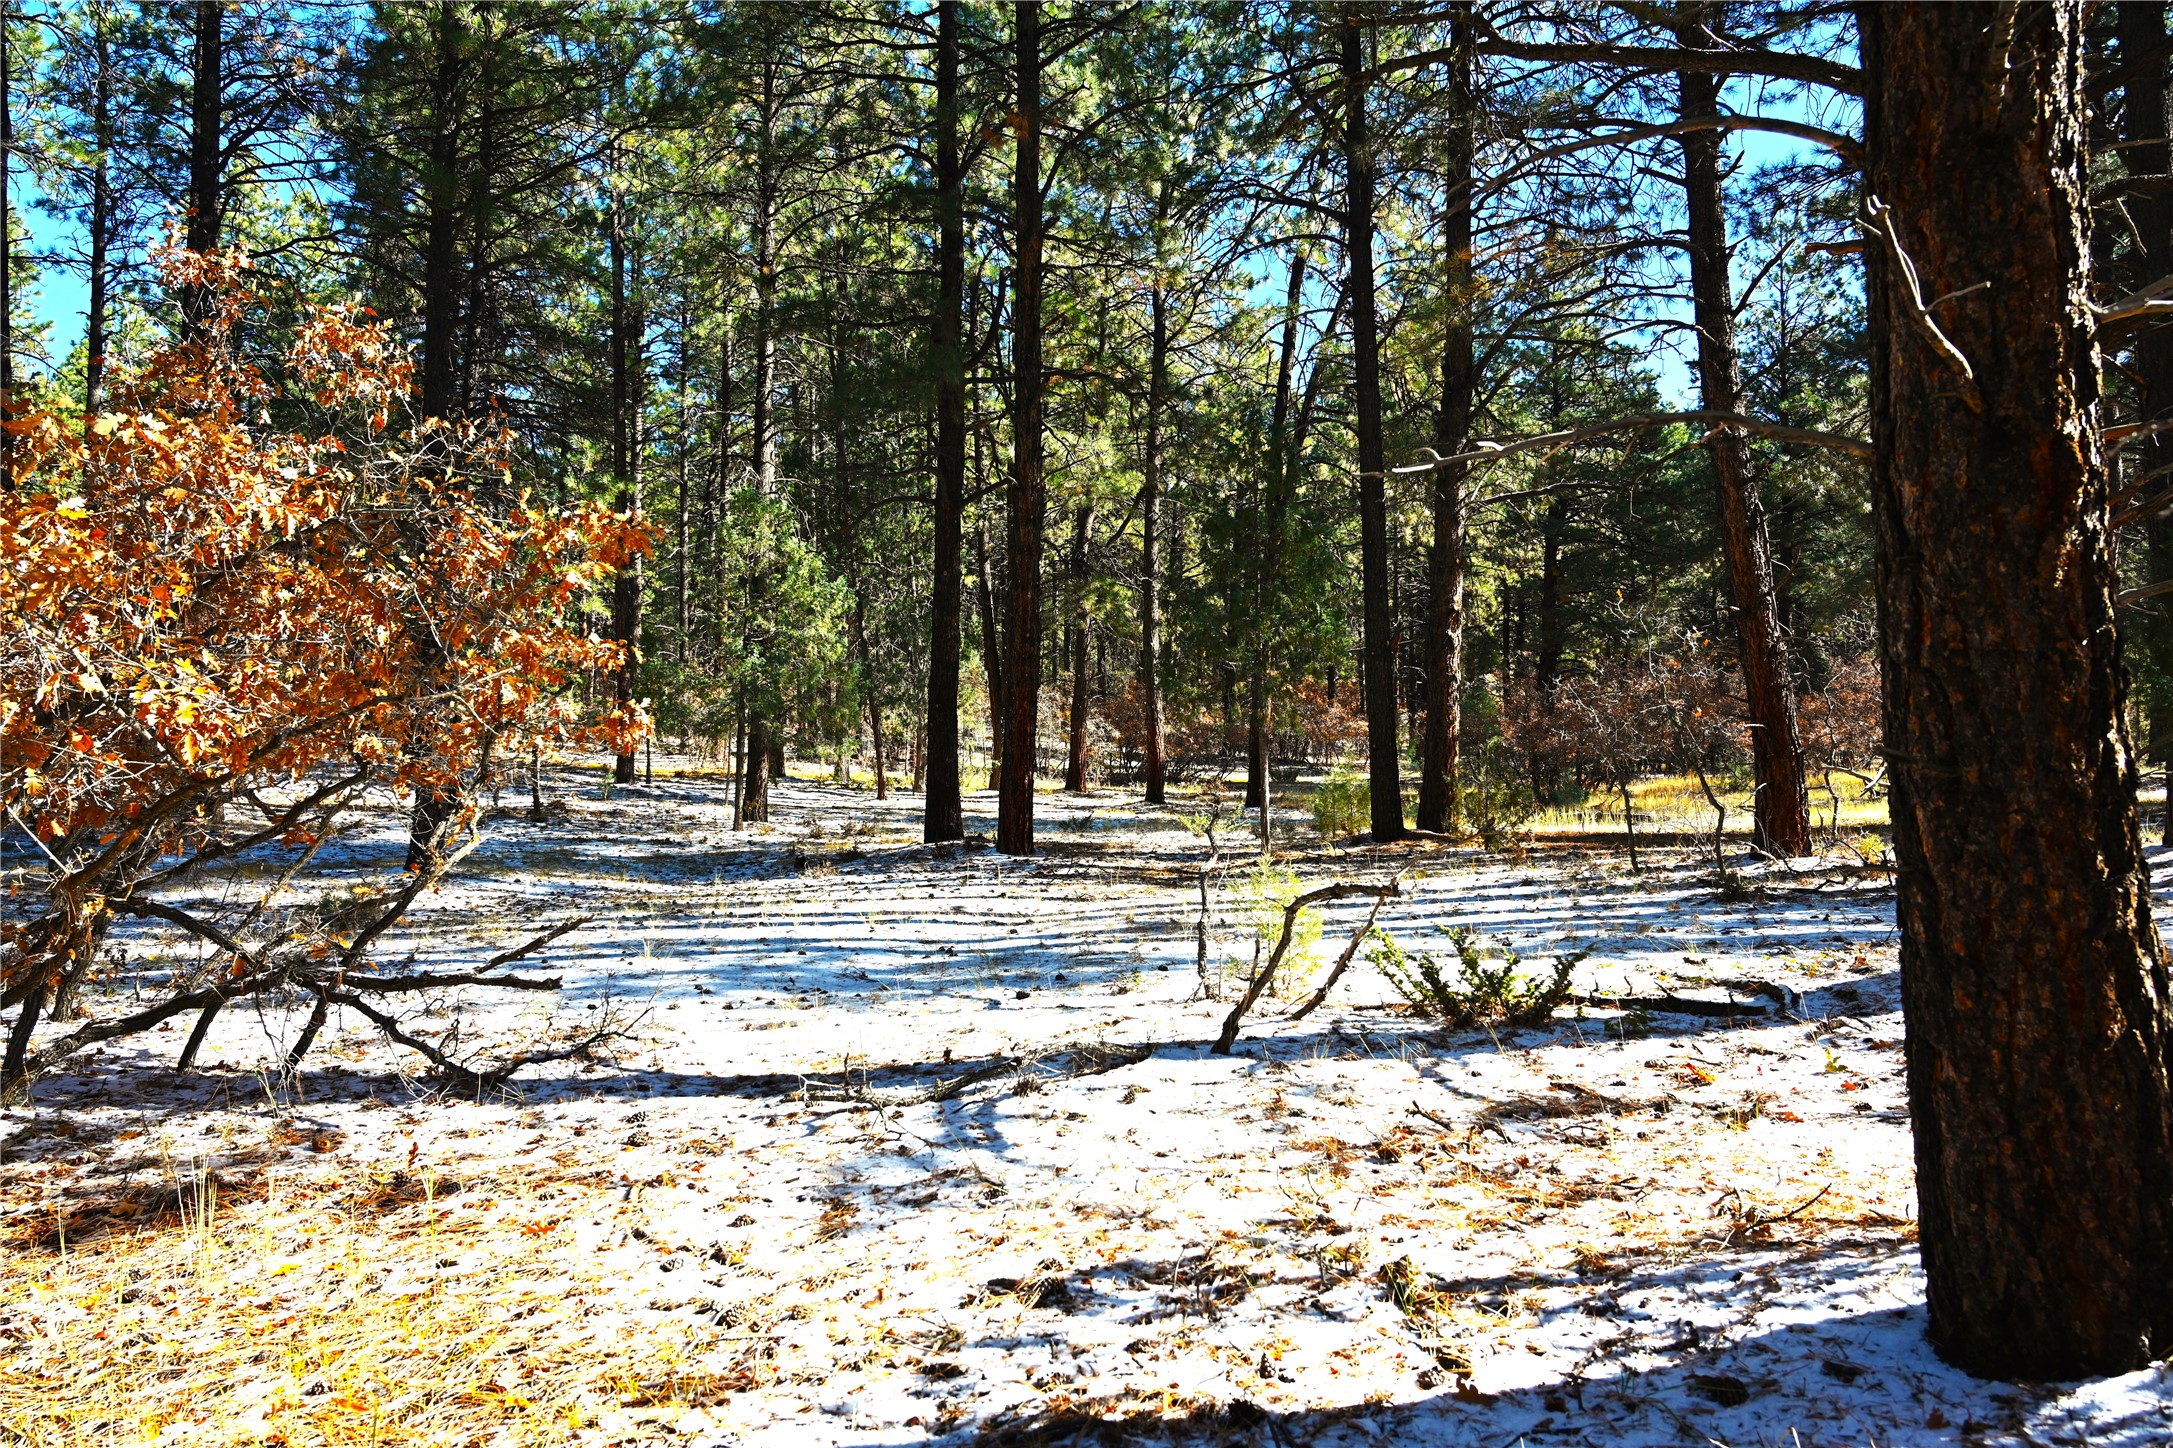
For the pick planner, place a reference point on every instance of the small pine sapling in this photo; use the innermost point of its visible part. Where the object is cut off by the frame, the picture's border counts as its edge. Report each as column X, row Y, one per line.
column 1482, row 994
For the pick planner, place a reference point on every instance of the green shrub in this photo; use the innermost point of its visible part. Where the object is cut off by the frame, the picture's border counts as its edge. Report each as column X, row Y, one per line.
column 1342, row 804
column 1482, row 994
column 1497, row 801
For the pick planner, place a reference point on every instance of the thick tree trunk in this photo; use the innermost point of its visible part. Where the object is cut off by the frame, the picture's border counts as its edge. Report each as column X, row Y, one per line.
column 1781, row 814
column 942, row 808
column 2145, row 153
column 754, row 792
column 1028, row 500
column 1150, row 541
column 1075, row 758
column 1444, row 664
column 206, row 103
column 2034, row 984
column 1384, row 759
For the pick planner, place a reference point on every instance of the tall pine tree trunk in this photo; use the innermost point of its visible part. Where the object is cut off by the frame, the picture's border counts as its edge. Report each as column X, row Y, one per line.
column 764, row 748
column 100, row 220
column 1028, row 500
column 2034, row 985
column 1781, row 813
column 626, row 588
column 943, row 810
column 755, row 770
column 1444, row 663
column 441, row 221
column 1383, row 757
column 435, row 804
column 207, row 101
column 1150, row 540
column 683, row 523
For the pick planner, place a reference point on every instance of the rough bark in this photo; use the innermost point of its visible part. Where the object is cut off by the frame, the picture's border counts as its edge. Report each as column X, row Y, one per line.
column 1781, row 814
column 754, row 792
column 1028, row 493
column 943, row 811
column 1384, row 759
column 2033, row 981
column 1150, row 541
column 1444, row 662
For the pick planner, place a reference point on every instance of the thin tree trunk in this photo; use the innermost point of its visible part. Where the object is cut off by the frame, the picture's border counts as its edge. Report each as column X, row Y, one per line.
column 1781, row 812
column 2033, row 981
column 441, row 224
column 1022, row 631
column 1075, row 762
column 1547, row 656
column 1384, row 758
column 1438, row 803
column 625, row 469
column 739, row 766
column 7, row 261
column 1279, row 468
column 100, row 219
column 765, row 362
column 991, row 648
column 942, row 807
column 875, row 706
column 1150, row 536
column 686, row 452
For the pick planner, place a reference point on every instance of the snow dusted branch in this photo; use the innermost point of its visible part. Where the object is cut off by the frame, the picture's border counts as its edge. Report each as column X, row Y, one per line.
column 1265, row 976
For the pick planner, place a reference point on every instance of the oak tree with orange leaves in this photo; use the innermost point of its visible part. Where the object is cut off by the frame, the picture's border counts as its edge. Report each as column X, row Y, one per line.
column 216, row 632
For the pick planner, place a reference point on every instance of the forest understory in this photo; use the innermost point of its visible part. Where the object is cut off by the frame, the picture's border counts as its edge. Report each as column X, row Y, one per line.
column 743, row 1220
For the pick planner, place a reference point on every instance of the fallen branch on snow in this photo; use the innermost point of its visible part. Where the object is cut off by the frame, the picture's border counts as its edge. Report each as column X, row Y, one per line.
column 1265, row 976
column 1343, row 961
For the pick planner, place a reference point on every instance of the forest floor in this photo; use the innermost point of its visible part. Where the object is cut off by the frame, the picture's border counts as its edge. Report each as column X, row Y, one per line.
column 1618, row 1229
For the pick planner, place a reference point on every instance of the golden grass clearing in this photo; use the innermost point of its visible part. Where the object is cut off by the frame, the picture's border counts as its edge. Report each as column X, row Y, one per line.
column 294, row 1320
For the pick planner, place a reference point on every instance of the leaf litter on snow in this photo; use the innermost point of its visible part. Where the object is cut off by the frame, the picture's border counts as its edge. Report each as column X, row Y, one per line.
column 908, row 1144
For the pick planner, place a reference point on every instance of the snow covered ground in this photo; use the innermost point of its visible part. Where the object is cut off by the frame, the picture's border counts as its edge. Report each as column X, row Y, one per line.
column 744, row 1224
